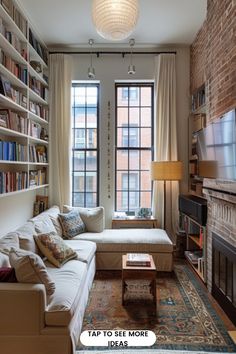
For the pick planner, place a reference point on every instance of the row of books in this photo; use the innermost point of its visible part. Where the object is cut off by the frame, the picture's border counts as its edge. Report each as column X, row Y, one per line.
column 37, row 177
column 38, row 87
column 18, row 70
column 39, row 110
column 198, row 99
column 42, row 52
column 14, row 121
column 13, row 181
column 138, row 260
column 16, row 15
column 38, row 153
column 12, row 151
column 8, row 90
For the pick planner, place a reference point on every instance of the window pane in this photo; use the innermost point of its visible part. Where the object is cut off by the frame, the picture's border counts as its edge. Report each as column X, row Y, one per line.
column 133, row 137
column 134, row 160
column 122, row 117
column 145, row 181
column 79, row 142
column 122, row 96
column 122, row 160
column 145, row 201
column 146, row 96
column 122, row 201
column 78, row 182
column 134, row 116
column 91, row 138
column 92, row 117
column 134, row 96
column 146, row 137
column 91, row 200
column 78, row 160
column 134, row 181
column 91, row 182
column 146, row 117
column 146, row 158
column 79, row 117
column 91, row 160
column 122, row 137
column 121, row 181
column 79, row 96
column 78, row 199
column 133, row 200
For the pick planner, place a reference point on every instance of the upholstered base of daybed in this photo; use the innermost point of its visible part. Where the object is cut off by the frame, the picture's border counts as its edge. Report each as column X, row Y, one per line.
column 113, row 243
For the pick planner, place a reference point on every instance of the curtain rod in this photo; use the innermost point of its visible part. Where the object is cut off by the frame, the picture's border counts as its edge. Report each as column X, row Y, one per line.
column 123, row 53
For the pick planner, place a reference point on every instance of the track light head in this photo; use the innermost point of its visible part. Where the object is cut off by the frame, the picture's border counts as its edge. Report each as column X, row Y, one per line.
column 91, row 73
column 131, row 69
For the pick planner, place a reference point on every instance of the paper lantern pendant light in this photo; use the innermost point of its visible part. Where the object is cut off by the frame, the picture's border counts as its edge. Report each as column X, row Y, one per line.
column 115, row 19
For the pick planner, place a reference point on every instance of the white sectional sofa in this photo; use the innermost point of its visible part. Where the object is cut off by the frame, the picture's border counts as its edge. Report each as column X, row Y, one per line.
column 33, row 322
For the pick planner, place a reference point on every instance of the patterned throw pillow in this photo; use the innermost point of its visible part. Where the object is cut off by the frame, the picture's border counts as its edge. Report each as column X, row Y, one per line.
column 54, row 248
column 71, row 224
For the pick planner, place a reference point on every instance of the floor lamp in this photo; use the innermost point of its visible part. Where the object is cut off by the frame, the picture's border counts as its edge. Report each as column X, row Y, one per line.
column 166, row 171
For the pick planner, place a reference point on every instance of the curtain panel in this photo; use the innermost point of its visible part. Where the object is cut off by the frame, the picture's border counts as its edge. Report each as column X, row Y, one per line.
column 165, row 139
column 60, row 121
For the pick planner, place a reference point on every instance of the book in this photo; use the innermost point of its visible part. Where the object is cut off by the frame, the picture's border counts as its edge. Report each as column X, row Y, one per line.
column 138, row 259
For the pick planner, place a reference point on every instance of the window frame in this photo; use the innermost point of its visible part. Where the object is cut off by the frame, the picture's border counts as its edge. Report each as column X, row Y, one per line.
column 86, row 149
column 128, row 149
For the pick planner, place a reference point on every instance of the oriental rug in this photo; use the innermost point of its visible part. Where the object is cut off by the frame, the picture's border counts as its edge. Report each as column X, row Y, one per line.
column 183, row 320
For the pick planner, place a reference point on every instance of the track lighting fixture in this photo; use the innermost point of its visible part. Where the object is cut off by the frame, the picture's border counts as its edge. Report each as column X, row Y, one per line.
column 91, row 70
column 131, row 68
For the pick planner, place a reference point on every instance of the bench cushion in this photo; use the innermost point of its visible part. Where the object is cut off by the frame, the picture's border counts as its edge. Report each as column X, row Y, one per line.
column 129, row 240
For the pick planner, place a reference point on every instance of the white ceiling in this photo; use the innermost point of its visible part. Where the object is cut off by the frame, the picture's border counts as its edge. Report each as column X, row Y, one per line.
column 68, row 23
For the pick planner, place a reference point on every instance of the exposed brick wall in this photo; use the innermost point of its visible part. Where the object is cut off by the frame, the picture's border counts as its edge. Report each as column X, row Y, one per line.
column 213, row 57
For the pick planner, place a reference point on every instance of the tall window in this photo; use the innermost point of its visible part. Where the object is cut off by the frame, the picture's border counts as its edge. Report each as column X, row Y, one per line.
column 85, row 163
column 134, row 142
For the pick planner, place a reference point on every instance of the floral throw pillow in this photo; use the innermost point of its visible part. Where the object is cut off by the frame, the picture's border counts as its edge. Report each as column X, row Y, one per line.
column 54, row 248
column 71, row 224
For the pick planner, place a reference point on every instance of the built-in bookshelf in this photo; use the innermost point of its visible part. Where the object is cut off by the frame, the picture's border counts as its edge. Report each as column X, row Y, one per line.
column 24, row 114
column 195, row 252
column 196, row 123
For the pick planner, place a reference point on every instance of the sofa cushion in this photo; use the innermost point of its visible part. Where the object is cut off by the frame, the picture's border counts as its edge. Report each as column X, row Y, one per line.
column 4, row 259
column 85, row 249
column 130, row 240
column 26, row 237
column 69, row 280
column 30, row 268
column 54, row 248
column 7, row 275
column 9, row 240
column 92, row 217
column 71, row 224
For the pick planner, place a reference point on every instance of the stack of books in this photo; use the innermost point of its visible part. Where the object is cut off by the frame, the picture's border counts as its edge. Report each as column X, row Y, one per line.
column 138, row 260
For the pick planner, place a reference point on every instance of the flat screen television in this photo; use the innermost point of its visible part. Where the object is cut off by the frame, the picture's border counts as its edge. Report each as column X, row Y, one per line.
column 216, row 148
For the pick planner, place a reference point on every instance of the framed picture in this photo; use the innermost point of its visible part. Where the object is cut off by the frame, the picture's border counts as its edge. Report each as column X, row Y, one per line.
column 43, row 202
column 4, row 118
column 5, row 87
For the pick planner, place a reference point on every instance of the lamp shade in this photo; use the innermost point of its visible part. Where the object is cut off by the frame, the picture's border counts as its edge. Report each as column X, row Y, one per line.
column 166, row 170
column 115, row 19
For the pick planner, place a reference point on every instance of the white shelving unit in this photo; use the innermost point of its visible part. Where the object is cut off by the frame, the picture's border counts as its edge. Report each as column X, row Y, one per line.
column 10, row 73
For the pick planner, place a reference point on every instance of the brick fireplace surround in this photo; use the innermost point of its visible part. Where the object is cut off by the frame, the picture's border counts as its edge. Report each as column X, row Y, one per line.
column 221, row 218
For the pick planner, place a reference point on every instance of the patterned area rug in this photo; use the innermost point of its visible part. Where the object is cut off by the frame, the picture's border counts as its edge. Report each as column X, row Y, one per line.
column 184, row 319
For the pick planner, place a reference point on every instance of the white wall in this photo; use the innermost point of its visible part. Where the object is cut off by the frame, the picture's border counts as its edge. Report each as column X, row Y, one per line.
column 15, row 210
column 113, row 67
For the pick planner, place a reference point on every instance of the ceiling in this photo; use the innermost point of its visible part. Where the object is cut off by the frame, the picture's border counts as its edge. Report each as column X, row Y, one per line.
column 68, row 23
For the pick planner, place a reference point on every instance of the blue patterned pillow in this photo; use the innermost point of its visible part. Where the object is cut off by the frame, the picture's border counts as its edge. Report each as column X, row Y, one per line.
column 71, row 224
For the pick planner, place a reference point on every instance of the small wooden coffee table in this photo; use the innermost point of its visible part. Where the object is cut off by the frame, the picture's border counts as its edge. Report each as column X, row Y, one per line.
column 134, row 272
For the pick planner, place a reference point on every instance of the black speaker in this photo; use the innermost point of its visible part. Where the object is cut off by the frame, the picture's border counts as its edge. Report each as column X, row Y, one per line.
column 195, row 207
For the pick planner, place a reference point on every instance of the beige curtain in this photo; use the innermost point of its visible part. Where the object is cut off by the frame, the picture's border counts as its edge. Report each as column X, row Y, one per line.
column 60, row 109
column 165, row 141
